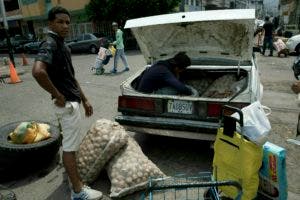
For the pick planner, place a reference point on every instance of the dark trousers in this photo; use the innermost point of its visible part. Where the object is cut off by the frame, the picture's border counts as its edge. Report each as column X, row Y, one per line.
column 268, row 40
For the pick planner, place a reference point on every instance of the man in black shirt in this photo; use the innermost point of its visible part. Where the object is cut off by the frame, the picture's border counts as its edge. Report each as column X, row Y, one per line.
column 54, row 72
column 165, row 74
column 268, row 39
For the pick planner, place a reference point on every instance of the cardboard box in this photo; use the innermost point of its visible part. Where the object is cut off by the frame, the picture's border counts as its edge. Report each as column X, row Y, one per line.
column 272, row 175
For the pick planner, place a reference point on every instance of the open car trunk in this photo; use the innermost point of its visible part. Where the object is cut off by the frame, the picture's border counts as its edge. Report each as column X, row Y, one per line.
column 222, row 72
column 199, row 113
column 221, row 84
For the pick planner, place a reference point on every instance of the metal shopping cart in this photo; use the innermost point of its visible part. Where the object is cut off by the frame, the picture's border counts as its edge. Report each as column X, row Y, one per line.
column 182, row 187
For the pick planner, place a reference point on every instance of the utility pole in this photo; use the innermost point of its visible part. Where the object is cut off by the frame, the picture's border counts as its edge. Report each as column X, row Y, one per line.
column 10, row 50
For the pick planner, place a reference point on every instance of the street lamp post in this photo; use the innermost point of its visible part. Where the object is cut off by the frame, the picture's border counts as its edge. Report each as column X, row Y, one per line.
column 10, row 50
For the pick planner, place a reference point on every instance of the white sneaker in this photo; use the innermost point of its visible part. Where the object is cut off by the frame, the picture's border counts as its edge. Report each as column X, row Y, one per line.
column 86, row 193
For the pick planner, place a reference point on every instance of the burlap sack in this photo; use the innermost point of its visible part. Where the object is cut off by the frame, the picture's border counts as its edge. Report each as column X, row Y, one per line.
column 104, row 139
column 130, row 169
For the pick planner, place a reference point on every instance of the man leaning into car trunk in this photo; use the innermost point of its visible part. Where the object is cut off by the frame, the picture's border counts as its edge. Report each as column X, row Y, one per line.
column 54, row 72
column 163, row 76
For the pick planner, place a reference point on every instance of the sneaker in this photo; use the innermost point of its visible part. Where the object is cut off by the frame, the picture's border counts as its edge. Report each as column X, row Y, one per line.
column 126, row 69
column 86, row 193
column 113, row 71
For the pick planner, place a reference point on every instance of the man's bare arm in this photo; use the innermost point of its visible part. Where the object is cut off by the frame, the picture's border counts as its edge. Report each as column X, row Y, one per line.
column 39, row 72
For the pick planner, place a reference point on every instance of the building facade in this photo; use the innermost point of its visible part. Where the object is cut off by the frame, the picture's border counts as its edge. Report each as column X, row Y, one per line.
column 35, row 16
column 289, row 12
column 30, row 16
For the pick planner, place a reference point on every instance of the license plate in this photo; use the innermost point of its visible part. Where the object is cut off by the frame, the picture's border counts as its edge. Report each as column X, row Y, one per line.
column 178, row 106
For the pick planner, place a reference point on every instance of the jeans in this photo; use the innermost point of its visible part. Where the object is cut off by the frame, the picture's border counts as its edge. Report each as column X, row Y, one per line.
column 120, row 53
column 268, row 40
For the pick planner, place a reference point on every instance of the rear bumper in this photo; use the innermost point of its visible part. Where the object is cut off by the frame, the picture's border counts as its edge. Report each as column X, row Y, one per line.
column 170, row 127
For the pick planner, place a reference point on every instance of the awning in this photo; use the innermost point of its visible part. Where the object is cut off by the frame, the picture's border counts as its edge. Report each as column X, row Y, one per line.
column 11, row 18
column 12, row 15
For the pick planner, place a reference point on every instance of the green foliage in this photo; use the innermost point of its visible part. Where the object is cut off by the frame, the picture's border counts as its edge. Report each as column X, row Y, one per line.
column 121, row 10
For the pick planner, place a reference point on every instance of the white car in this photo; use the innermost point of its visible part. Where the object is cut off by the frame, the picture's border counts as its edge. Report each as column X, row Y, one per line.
column 293, row 44
column 223, row 72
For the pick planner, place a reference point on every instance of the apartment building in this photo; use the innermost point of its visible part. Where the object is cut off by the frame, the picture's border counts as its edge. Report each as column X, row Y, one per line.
column 30, row 16
column 192, row 5
column 289, row 12
column 35, row 15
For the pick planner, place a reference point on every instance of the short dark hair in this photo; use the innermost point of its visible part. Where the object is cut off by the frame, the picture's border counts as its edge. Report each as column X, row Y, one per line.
column 57, row 10
column 181, row 60
column 267, row 18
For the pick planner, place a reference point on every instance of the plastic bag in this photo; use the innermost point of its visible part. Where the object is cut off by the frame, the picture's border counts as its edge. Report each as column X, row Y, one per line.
column 29, row 132
column 112, row 50
column 279, row 45
column 256, row 123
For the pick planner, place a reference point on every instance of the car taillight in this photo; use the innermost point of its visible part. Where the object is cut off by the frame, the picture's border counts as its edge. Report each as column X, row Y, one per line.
column 214, row 109
column 136, row 103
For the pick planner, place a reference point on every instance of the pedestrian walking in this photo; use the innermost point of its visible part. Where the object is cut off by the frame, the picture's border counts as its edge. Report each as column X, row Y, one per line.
column 54, row 72
column 120, row 53
column 268, row 38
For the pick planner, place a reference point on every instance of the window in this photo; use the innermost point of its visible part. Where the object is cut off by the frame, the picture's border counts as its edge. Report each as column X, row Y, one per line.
column 79, row 38
column 26, row 2
column 87, row 37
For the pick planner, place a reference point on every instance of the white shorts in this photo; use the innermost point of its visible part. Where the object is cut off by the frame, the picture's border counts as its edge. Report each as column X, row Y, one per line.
column 69, row 118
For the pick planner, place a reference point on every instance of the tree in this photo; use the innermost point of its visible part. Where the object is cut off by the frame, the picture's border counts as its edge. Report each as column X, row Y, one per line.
column 121, row 10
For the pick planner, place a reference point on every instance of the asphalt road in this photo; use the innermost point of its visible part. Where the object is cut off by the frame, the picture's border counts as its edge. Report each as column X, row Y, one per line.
column 27, row 101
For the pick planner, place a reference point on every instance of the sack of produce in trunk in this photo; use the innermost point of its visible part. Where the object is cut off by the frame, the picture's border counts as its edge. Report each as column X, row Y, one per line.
column 200, row 85
column 130, row 169
column 224, row 86
column 104, row 139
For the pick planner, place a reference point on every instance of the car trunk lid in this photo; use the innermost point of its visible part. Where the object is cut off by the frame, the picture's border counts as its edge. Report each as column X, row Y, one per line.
column 218, row 33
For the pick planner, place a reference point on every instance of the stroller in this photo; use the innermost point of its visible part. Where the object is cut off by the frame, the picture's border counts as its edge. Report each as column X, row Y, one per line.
column 106, row 51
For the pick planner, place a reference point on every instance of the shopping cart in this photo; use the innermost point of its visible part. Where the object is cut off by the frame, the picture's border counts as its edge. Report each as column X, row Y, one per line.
column 182, row 187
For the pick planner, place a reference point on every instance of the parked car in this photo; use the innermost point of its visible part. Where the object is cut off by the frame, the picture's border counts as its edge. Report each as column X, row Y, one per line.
column 32, row 47
column 17, row 43
column 223, row 71
column 87, row 42
column 293, row 44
